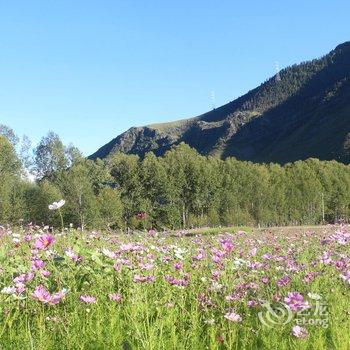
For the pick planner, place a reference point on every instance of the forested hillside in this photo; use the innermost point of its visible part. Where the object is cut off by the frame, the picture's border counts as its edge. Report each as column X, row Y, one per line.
column 304, row 112
column 179, row 189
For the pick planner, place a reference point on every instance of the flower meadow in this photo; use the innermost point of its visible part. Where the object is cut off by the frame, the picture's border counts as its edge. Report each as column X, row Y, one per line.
column 265, row 289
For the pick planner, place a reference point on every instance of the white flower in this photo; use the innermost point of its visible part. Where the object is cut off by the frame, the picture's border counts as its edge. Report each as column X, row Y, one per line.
column 210, row 321
column 8, row 290
column 57, row 205
column 233, row 317
column 314, row 296
column 108, row 253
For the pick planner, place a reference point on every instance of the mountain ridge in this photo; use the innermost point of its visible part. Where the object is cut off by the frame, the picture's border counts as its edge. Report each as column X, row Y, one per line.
column 281, row 120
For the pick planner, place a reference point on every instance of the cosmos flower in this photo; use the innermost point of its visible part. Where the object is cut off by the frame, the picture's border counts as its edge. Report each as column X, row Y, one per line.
column 37, row 264
column 299, row 332
column 88, row 299
column 8, row 290
column 115, row 297
column 72, row 255
column 178, row 266
column 57, row 205
column 180, row 282
column 142, row 279
column 314, row 296
column 282, row 282
column 233, row 317
column 44, row 296
column 296, row 301
column 108, row 253
column 44, row 241
column 152, row 233
column 346, row 276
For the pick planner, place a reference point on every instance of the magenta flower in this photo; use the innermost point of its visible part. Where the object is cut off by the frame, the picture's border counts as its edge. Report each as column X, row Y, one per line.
column 44, row 241
column 227, row 246
column 299, row 332
column 296, row 301
column 88, row 299
column 178, row 266
column 283, row 281
column 180, row 282
column 115, row 297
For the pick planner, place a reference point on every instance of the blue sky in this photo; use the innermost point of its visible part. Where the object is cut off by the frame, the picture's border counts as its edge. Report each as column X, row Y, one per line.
column 89, row 70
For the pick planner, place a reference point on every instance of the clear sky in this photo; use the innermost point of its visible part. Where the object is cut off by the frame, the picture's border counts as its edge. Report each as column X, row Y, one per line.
column 89, row 70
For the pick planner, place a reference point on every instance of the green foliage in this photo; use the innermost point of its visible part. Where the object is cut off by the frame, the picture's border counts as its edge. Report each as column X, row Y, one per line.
column 181, row 189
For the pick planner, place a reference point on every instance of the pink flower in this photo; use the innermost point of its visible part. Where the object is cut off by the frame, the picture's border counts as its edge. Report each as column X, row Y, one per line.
column 152, row 233
column 299, row 332
column 200, row 256
column 233, row 317
column 37, row 264
column 146, row 266
column 227, row 246
column 88, row 299
column 20, row 288
column 117, row 267
column 326, row 258
column 346, row 276
column 45, row 273
column 252, row 303
column 57, row 297
column 115, row 297
column 43, row 295
column 178, row 266
column 296, row 301
column 283, row 281
column 180, row 282
column 24, row 278
column 265, row 280
column 44, row 241
column 253, row 252
column 142, row 279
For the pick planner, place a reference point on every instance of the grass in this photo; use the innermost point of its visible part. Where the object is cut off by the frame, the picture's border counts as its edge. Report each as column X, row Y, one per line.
column 193, row 282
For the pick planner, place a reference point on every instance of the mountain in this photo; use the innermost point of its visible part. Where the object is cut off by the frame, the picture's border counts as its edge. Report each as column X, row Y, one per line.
column 302, row 112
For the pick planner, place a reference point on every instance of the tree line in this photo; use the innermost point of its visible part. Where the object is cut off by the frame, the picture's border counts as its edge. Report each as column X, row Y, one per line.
column 181, row 189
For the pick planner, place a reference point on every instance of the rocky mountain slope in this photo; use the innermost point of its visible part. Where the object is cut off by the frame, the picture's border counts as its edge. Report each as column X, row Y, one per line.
column 303, row 113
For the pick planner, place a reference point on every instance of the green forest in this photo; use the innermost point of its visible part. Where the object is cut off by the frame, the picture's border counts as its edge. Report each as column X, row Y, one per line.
column 181, row 189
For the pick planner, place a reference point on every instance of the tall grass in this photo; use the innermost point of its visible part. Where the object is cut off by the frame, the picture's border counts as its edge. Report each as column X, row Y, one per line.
column 197, row 281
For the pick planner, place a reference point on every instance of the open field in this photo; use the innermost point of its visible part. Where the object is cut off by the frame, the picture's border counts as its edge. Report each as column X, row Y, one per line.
column 274, row 288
